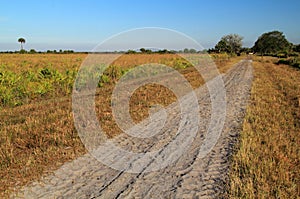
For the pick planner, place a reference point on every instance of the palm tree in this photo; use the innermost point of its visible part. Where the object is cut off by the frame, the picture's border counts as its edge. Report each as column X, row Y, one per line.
column 21, row 40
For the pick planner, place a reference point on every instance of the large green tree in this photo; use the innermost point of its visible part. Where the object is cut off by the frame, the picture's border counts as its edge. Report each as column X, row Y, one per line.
column 231, row 43
column 22, row 41
column 271, row 43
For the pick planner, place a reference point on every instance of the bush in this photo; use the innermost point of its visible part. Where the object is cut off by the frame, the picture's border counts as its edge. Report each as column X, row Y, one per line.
column 283, row 61
column 294, row 62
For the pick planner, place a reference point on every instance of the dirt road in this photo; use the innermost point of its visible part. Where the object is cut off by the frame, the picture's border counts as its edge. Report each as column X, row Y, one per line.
column 189, row 175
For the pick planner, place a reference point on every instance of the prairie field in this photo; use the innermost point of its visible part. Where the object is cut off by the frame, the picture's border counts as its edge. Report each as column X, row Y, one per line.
column 37, row 133
column 117, row 99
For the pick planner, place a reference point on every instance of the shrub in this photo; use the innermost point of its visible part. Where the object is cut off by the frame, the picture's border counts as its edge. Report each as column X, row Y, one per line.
column 292, row 62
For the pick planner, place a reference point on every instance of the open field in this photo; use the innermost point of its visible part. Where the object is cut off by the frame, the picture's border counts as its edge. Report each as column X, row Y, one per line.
column 150, row 99
column 183, row 167
column 267, row 163
column 37, row 133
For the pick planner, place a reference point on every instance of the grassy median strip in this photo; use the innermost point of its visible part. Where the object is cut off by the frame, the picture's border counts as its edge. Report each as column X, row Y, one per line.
column 266, row 164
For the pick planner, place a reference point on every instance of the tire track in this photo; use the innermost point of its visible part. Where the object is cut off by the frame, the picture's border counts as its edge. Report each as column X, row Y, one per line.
column 189, row 176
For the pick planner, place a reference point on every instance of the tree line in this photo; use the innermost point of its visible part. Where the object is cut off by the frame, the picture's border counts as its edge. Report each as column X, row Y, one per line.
column 271, row 43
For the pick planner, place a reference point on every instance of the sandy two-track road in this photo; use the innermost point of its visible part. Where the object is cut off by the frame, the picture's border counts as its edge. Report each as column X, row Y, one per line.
column 191, row 175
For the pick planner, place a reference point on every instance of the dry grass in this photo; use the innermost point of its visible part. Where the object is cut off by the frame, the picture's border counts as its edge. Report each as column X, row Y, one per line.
column 24, row 62
column 267, row 164
column 39, row 135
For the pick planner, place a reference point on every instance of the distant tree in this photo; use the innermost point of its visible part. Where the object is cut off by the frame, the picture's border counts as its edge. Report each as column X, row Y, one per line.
column 192, row 50
column 230, row 43
column 130, row 52
column 65, row 51
column 143, row 50
column 32, row 51
column 164, row 51
column 22, row 51
column 271, row 43
column 148, row 51
column 22, row 41
column 185, row 50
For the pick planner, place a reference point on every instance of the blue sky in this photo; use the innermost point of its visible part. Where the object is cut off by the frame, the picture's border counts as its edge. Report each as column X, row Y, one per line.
column 80, row 25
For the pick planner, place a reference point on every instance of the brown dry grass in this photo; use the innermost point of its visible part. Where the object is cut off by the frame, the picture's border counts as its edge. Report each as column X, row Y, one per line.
column 267, row 164
column 38, row 137
column 23, row 62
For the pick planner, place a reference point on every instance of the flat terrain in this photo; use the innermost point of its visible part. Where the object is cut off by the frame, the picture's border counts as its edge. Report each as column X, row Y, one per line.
column 37, row 132
column 38, row 136
column 192, row 174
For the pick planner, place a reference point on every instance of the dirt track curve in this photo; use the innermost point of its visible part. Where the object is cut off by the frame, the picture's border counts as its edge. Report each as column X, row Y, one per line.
column 189, row 176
